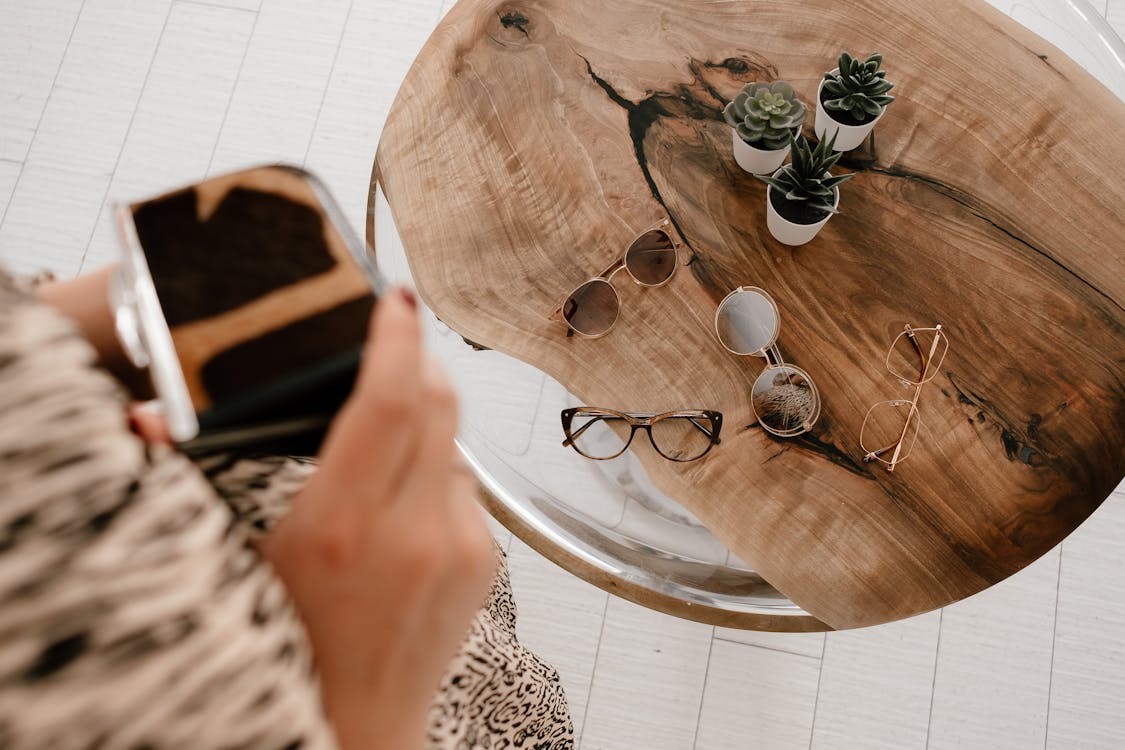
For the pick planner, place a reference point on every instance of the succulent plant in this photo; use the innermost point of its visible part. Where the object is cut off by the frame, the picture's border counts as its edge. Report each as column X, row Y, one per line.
column 806, row 178
column 765, row 114
column 859, row 88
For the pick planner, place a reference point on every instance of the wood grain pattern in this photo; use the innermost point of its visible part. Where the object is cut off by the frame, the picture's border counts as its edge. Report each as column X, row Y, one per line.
column 984, row 207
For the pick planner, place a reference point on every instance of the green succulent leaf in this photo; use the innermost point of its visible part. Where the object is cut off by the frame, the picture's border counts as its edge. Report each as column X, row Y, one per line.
column 806, row 177
column 783, row 89
column 858, row 87
column 836, row 181
column 772, row 181
column 764, row 113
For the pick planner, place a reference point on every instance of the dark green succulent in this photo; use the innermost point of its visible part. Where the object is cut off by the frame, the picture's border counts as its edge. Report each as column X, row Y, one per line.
column 859, row 88
column 764, row 114
column 806, row 178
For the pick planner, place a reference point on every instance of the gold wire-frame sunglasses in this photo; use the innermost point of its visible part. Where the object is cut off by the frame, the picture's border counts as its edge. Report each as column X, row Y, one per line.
column 890, row 428
column 592, row 308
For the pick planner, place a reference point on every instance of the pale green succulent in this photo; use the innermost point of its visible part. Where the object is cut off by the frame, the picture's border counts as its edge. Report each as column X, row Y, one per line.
column 807, row 178
column 765, row 114
column 859, row 88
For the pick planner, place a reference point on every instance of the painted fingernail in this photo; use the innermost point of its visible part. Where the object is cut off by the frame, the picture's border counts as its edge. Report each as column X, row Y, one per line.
column 408, row 297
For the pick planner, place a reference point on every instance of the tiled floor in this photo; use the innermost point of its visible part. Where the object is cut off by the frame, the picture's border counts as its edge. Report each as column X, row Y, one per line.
column 112, row 98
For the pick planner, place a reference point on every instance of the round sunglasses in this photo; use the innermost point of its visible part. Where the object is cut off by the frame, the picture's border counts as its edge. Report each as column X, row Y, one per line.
column 592, row 309
column 784, row 398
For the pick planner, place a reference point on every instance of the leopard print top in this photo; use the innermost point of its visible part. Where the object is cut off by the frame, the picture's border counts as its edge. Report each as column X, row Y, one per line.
column 134, row 610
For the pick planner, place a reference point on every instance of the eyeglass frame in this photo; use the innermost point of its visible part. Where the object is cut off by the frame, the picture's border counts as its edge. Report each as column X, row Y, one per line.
column 912, row 413
column 607, row 276
column 645, row 421
column 772, row 355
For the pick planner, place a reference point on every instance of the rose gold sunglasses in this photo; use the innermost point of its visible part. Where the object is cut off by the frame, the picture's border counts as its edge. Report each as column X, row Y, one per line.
column 591, row 310
column 891, row 427
column 784, row 397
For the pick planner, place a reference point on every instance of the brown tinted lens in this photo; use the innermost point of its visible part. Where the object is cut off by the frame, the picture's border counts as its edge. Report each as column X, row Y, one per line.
column 592, row 309
column 785, row 401
column 651, row 259
column 682, row 438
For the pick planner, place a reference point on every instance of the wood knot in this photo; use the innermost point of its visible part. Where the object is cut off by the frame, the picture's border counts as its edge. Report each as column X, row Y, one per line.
column 514, row 26
column 514, row 19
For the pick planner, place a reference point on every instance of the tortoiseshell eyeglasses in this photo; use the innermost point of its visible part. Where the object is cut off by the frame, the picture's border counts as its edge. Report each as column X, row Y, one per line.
column 602, row 434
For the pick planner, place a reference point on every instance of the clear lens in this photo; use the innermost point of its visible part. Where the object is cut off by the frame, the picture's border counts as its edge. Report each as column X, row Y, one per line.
column 916, row 355
column 597, row 436
column 785, row 400
column 592, row 308
column 682, row 438
column 651, row 259
column 889, row 425
column 746, row 321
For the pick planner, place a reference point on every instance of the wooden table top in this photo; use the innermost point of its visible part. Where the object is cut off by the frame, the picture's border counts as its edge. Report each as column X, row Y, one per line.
column 532, row 141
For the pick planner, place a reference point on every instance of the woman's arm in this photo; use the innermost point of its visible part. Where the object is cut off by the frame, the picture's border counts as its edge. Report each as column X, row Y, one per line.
column 85, row 300
column 385, row 551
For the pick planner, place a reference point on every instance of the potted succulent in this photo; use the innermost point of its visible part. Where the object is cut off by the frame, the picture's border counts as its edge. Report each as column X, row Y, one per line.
column 802, row 195
column 851, row 99
column 763, row 117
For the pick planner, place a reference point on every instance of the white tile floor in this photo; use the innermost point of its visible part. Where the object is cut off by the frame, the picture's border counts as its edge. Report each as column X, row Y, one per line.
column 113, row 98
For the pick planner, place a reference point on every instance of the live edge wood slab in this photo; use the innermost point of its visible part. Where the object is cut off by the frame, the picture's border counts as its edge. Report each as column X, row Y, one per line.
column 532, row 141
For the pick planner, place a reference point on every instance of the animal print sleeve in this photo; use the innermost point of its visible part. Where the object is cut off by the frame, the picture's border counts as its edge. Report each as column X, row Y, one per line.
column 258, row 489
column 133, row 611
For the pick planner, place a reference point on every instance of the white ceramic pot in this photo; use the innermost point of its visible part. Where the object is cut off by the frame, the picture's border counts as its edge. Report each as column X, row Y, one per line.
column 757, row 160
column 788, row 232
column 847, row 136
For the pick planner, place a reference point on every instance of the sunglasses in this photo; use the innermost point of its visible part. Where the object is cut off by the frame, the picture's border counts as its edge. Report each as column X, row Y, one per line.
column 891, row 427
column 602, row 434
column 592, row 308
column 784, row 398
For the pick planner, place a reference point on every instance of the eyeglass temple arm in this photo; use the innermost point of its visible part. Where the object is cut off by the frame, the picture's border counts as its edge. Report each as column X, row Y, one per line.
column 921, row 355
column 914, row 402
column 704, row 430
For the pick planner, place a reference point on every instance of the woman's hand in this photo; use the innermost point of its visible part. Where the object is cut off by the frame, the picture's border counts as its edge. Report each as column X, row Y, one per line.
column 385, row 552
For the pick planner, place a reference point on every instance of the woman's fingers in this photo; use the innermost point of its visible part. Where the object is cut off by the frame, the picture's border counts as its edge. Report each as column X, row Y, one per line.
column 435, row 452
column 474, row 551
column 149, row 424
column 376, row 432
